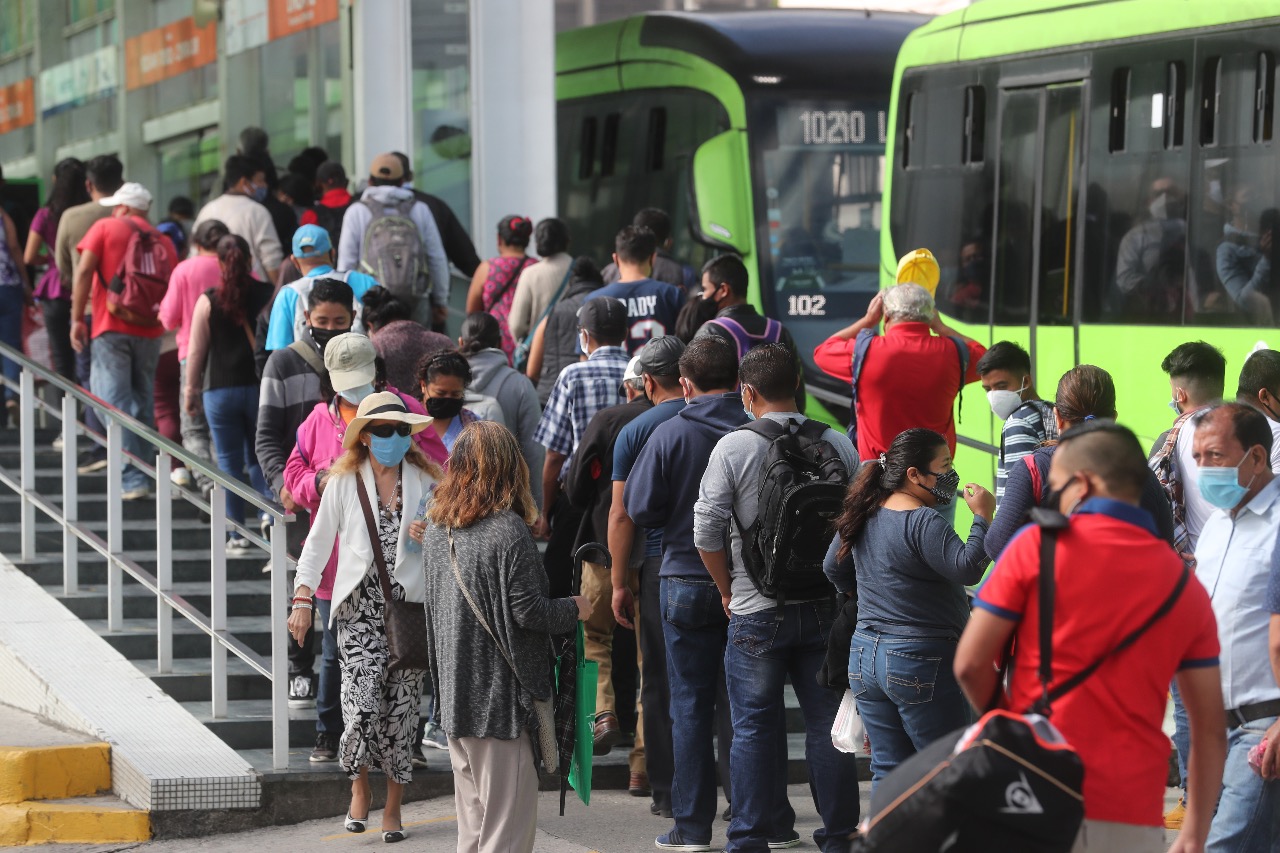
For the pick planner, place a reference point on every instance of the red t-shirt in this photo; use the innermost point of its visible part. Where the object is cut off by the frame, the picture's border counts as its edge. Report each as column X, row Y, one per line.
column 910, row 378
column 1112, row 574
column 108, row 239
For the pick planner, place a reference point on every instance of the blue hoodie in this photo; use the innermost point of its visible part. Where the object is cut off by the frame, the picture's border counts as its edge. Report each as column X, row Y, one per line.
column 663, row 485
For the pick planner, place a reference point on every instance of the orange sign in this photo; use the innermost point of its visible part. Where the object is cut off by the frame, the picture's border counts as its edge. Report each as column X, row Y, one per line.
column 287, row 17
column 169, row 51
column 17, row 105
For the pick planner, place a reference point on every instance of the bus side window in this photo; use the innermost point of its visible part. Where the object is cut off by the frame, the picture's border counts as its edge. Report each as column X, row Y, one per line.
column 1210, row 87
column 587, row 149
column 1175, row 95
column 657, row 138
column 1119, row 109
column 609, row 147
column 909, row 129
column 1264, row 97
column 975, row 124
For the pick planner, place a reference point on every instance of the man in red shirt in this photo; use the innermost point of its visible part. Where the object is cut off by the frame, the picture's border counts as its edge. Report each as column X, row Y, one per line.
column 331, row 178
column 124, row 355
column 911, row 374
column 1111, row 573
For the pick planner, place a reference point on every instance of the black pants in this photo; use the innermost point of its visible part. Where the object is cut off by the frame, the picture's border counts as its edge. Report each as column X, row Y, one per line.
column 57, row 324
column 566, row 519
column 302, row 656
column 654, row 692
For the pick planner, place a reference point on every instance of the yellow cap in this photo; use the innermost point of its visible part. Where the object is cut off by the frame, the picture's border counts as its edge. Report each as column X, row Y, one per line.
column 919, row 267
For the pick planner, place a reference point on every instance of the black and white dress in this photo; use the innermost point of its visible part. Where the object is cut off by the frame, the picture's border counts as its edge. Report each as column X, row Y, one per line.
column 379, row 709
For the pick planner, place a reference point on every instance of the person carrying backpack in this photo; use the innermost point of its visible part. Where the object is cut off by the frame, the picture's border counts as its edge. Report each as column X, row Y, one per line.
column 393, row 237
column 724, row 285
column 771, row 491
column 330, row 209
column 124, row 267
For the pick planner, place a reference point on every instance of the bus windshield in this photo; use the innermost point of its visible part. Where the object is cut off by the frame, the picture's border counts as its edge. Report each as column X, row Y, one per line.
column 820, row 171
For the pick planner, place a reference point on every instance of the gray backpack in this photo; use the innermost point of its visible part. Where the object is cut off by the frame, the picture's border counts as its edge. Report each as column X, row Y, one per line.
column 392, row 251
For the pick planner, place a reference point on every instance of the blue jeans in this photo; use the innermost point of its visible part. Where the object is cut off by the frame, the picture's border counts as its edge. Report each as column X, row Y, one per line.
column 11, row 309
column 1181, row 736
column 695, row 630
column 1248, row 817
column 329, row 694
column 762, row 652
column 84, row 375
column 233, row 418
column 907, row 694
column 124, row 375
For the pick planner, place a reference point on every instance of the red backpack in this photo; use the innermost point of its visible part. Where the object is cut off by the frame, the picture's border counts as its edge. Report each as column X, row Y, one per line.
column 135, row 292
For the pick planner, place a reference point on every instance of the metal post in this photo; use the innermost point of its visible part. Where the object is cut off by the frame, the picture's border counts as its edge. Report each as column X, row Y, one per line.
column 115, row 523
column 164, row 564
column 218, row 600
column 280, row 598
column 27, row 448
column 70, row 498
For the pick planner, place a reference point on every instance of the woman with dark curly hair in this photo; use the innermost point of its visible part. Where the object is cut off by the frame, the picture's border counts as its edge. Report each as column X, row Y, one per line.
column 221, row 377
column 493, row 287
column 489, row 628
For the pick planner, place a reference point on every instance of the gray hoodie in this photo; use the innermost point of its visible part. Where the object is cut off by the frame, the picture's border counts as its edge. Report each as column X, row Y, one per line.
column 492, row 376
column 356, row 222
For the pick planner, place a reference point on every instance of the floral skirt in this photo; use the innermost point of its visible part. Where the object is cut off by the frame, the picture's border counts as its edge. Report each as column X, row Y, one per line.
column 379, row 708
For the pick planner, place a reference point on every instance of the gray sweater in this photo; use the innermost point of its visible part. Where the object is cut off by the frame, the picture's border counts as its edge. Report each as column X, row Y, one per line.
column 518, row 399
column 477, row 693
column 912, row 569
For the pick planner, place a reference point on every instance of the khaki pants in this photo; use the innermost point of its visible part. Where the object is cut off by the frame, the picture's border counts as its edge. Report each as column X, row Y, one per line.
column 495, row 792
column 1099, row 836
column 597, row 586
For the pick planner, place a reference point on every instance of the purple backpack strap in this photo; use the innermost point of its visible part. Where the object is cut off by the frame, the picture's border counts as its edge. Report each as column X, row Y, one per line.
column 739, row 334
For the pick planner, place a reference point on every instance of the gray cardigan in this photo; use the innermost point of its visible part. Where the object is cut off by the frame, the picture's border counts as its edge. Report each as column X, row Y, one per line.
column 477, row 693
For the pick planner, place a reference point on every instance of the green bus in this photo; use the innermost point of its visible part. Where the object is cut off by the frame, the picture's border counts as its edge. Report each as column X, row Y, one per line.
column 761, row 133
column 1098, row 181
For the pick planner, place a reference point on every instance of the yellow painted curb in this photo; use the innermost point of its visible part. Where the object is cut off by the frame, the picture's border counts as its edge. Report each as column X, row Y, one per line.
column 41, row 823
column 54, row 772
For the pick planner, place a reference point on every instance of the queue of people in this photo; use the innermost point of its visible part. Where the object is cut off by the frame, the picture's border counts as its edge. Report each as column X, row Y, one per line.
column 581, row 404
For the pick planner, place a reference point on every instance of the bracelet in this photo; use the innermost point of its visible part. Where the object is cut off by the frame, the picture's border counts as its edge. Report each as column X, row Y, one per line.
column 297, row 606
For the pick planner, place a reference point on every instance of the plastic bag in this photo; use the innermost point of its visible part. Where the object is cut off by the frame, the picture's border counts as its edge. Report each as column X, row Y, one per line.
column 847, row 732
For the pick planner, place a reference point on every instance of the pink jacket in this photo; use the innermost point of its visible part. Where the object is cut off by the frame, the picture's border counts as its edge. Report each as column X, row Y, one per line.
column 318, row 446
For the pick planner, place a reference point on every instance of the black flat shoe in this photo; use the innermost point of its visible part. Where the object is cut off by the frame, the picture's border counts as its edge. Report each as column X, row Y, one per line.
column 352, row 824
column 391, row 836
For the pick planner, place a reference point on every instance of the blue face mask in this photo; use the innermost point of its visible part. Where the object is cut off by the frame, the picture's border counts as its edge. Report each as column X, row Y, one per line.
column 1221, row 486
column 390, row 451
column 259, row 193
column 355, row 396
column 751, row 416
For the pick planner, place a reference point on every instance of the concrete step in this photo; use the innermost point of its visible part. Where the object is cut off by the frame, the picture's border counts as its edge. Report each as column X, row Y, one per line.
column 137, row 534
column 248, row 723
column 189, row 565
column 190, row 679
column 86, row 820
column 137, row 638
column 244, row 598
column 93, row 507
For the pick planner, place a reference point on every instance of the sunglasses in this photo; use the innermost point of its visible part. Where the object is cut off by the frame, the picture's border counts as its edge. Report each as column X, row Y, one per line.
column 388, row 430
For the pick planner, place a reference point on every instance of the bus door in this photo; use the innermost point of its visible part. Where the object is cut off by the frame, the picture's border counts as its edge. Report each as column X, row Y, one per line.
column 1037, row 235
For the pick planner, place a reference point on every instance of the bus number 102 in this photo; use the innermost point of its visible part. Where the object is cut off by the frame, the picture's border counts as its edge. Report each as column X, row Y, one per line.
column 807, row 305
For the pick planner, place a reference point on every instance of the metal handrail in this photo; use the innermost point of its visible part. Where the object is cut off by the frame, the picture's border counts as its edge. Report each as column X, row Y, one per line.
column 214, row 624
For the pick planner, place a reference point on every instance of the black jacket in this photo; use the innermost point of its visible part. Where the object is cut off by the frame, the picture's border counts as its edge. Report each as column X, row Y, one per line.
column 751, row 320
column 589, row 482
column 560, row 339
column 457, row 242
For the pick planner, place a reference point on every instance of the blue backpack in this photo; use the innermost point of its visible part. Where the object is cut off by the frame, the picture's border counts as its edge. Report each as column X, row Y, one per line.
column 860, row 347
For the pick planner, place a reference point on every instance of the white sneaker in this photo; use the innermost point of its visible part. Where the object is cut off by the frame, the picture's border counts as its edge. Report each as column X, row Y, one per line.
column 57, row 443
column 180, row 477
column 238, row 545
column 138, row 494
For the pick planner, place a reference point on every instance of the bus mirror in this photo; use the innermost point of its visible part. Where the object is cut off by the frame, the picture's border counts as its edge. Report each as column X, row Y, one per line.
column 719, row 205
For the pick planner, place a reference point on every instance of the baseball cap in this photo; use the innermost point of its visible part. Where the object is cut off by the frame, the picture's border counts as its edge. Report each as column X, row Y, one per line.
column 604, row 317
column 919, row 267
column 130, row 195
column 310, row 241
column 661, row 356
column 386, row 167
column 349, row 359
column 632, row 372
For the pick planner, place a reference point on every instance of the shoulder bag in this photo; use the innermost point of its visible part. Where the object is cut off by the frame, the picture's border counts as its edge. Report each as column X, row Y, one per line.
column 520, row 359
column 511, row 282
column 544, row 739
column 405, row 622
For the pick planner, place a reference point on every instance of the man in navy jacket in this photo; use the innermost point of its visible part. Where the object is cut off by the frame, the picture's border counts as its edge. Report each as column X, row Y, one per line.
column 660, row 493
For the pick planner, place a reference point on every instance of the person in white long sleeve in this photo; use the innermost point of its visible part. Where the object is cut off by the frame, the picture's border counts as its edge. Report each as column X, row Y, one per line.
column 240, row 209
column 385, row 196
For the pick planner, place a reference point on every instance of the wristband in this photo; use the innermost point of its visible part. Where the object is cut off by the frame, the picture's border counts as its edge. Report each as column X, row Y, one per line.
column 302, row 607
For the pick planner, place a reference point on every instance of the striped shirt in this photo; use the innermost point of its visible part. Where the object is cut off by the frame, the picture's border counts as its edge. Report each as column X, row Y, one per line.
column 1025, row 430
column 580, row 391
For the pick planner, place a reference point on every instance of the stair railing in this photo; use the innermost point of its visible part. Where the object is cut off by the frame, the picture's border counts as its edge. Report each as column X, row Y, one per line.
column 214, row 623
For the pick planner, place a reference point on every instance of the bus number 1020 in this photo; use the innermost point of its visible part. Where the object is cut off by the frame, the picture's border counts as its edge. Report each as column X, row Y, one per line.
column 807, row 305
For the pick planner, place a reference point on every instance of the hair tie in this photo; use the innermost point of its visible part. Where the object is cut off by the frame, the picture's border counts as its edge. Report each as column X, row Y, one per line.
column 1089, row 417
column 884, row 460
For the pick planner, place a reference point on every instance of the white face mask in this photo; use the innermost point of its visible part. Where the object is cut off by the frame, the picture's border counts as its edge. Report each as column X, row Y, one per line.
column 582, row 342
column 1005, row 403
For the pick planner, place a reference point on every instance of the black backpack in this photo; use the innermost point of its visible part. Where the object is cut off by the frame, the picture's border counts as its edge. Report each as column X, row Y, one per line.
column 330, row 219
column 802, row 488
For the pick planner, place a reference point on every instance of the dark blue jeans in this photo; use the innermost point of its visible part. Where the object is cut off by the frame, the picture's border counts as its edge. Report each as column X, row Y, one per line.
column 11, row 310
column 233, row 419
column 124, row 375
column 762, row 652
column 329, row 694
column 695, row 630
column 907, row 694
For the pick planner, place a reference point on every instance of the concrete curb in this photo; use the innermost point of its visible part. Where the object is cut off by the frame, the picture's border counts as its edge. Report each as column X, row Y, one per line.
column 54, row 772
column 86, row 823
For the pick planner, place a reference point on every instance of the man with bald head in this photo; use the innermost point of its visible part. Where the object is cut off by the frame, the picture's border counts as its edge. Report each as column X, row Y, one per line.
column 1236, row 562
column 1114, row 717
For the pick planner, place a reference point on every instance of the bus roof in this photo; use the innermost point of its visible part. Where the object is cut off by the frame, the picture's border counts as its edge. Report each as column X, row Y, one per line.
column 990, row 28
column 804, row 48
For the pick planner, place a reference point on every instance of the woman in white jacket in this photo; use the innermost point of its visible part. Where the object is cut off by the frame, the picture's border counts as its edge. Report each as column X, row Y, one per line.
column 379, row 708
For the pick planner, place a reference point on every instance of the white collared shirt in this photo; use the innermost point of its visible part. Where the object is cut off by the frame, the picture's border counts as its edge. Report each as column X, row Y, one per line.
column 1233, row 561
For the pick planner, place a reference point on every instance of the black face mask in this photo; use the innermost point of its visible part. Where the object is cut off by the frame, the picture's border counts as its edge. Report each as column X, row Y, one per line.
column 445, row 408
column 323, row 336
column 945, row 490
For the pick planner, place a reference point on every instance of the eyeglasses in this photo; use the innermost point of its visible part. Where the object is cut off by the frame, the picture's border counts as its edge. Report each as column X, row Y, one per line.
column 388, row 430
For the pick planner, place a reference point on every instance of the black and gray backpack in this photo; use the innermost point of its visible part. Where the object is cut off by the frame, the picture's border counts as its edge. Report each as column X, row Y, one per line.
column 802, row 488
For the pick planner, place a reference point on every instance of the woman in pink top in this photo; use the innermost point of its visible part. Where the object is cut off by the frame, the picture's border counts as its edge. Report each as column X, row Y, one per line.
column 190, row 279
column 493, row 287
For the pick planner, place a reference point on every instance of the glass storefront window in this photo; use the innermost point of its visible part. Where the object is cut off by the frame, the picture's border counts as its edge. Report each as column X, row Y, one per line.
column 80, row 10
column 289, row 93
column 17, row 25
column 442, row 102
column 189, row 167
